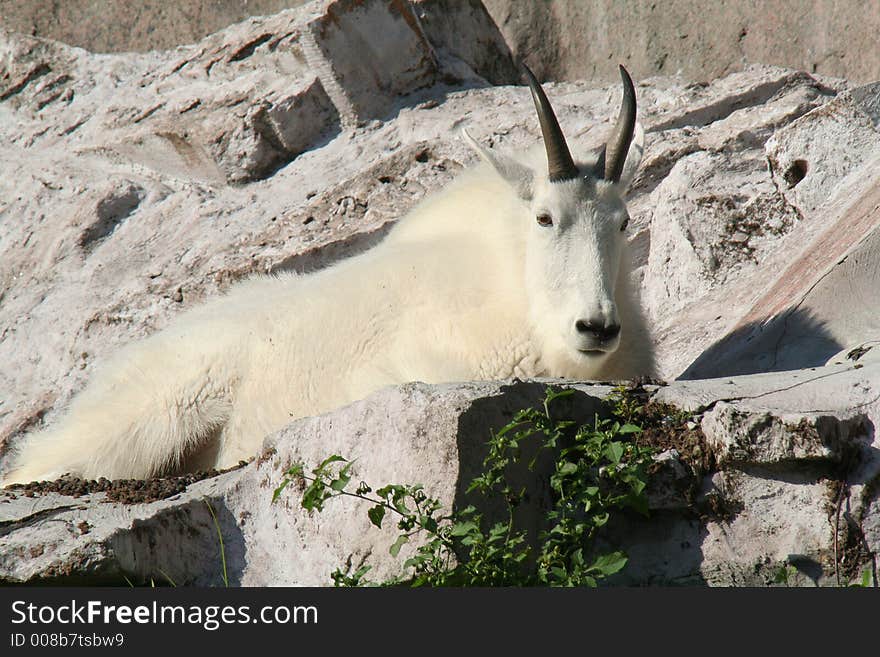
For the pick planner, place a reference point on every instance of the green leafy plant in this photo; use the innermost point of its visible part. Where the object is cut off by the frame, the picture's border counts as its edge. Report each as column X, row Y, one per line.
column 597, row 470
column 867, row 579
column 784, row 574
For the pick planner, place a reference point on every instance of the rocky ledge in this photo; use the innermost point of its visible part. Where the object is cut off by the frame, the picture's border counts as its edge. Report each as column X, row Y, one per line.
column 757, row 475
column 145, row 183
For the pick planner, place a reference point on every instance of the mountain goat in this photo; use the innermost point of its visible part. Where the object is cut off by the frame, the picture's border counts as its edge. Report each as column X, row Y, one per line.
column 510, row 271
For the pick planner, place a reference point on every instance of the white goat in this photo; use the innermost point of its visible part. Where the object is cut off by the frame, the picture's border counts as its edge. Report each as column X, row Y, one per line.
column 508, row 272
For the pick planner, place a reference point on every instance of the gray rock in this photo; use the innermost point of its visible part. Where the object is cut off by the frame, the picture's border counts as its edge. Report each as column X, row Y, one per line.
column 578, row 39
column 738, row 438
column 796, row 462
column 436, row 435
column 146, row 183
column 482, row 47
column 862, row 353
column 560, row 39
column 783, row 481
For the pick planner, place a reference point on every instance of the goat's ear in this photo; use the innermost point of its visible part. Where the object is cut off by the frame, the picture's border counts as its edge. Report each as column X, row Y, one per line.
column 633, row 157
column 517, row 175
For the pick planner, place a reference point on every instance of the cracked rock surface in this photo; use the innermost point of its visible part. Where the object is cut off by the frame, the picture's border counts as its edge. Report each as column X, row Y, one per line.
column 788, row 476
column 137, row 185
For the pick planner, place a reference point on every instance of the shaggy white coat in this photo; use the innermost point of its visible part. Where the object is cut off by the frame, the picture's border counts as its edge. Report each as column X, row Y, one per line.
column 462, row 288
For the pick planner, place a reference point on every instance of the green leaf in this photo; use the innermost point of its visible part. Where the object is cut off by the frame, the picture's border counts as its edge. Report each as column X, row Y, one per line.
column 629, row 428
column 784, row 573
column 614, row 452
column 398, row 503
column 598, row 472
column 326, row 462
column 341, row 480
column 637, row 486
column 376, row 514
column 552, row 393
column 559, row 573
column 399, row 543
column 600, row 519
column 567, row 468
column 343, row 578
column 284, row 484
column 867, row 580
column 414, row 562
column 360, row 572
column 386, row 491
column 314, row 496
column 608, row 564
column 464, row 528
column 498, row 530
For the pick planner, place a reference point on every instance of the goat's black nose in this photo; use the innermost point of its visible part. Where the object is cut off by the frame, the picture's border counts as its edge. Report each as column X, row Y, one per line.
column 597, row 329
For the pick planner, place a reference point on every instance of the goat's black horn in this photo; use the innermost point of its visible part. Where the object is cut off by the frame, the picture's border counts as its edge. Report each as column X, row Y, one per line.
column 559, row 163
column 618, row 144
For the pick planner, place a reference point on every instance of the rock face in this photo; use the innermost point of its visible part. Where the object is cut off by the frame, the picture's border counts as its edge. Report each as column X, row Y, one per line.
column 577, row 39
column 790, row 475
column 796, row 453
column 150, row 25
column 826, row 297
column 560, row 39
column 133, row 186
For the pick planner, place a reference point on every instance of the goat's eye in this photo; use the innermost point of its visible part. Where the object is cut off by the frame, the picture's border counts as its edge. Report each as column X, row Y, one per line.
column 624, row 224
column 544, row 220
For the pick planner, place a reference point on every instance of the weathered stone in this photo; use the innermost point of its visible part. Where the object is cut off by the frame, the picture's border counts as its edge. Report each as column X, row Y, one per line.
column 579, row 39
column 811, row 232
column 824, row 299
column 783, row 484
column 567, row 39
column 144, row 184
column 482, row 47
column 738, row 437
column 811, row 156
column 669, row 482
column 436, row 433
column 361, row 62
column 862, row 353
column 797, row 461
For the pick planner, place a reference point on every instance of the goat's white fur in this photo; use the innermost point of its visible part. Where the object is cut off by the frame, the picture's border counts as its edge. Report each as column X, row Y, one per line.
column 467, row 286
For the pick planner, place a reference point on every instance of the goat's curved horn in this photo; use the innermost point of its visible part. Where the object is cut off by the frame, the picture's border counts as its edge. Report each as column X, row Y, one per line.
column 618, row 143
column 559, row 163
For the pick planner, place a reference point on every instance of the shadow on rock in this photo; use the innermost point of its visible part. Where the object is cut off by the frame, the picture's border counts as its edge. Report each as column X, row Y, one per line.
column 181, row 545
column 486, row 417
column 664, row 548
column 790, row 341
